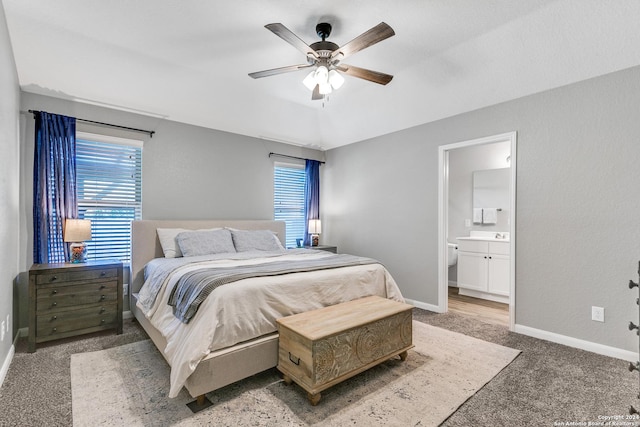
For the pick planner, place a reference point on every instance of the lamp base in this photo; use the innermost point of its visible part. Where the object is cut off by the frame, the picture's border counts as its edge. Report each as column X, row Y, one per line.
column 78, row 253
column 315, row 239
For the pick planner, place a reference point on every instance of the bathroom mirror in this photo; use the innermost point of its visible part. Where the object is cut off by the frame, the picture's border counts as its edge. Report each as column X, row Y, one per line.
column 491, row 188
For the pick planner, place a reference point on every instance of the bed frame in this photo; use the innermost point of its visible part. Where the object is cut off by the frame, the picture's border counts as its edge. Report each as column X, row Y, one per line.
column 221, row 367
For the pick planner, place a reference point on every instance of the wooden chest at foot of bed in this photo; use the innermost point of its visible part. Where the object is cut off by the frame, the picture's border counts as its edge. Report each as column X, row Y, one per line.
column 323, row 347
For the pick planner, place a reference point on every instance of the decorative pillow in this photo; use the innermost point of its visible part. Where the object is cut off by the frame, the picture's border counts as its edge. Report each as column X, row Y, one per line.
column 167, row 237
column 205, row 242
column 255, row 240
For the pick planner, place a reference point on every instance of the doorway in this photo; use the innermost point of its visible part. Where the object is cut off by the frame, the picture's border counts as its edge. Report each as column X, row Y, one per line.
column 444, row 215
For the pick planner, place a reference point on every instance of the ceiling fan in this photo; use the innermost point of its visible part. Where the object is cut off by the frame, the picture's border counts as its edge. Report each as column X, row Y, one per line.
column 326, row 58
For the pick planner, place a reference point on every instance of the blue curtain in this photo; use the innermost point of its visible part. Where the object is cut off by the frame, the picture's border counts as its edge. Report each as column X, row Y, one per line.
column 311, row 196
column 54, row 185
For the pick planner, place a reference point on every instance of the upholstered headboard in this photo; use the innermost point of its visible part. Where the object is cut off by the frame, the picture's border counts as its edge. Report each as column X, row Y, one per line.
column 145, row 244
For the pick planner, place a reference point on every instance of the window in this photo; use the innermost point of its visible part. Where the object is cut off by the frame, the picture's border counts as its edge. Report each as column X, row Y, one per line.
column 109, row 189
column 288, row 200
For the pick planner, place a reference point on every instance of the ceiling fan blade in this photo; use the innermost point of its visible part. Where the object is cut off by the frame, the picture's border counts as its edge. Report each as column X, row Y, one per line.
column 287, row 35
column 316, row 94
column 281, row 70
column 363, row 73
column 368, row 38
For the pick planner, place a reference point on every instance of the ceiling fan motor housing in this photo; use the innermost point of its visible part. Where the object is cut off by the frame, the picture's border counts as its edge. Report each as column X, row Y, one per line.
column 324, row 48
column 323, row 30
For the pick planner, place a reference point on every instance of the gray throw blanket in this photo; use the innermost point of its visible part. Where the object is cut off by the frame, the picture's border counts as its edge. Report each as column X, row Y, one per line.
column 193, row 287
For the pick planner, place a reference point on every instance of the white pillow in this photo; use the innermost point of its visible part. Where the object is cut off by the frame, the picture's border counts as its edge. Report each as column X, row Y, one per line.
column 205, row 242
column 255, row 240
column 167, row 237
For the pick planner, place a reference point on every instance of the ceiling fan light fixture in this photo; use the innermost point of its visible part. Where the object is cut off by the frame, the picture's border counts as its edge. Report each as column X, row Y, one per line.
column 325, row 88
column 335, row 79
column 310, row 81
column 322, row 75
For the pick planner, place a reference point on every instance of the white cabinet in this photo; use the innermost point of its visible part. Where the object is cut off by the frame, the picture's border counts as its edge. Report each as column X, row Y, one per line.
column 483, row 269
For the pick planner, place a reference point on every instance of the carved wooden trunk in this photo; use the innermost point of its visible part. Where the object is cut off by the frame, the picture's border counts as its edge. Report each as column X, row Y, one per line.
column 322, row 347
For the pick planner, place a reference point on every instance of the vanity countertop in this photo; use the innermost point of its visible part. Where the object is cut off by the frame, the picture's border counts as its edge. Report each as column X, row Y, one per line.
column 486, row 239
column 491, row 236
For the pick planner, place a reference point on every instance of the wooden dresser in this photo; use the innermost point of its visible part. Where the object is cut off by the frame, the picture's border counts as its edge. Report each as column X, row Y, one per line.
column 320, row 348
column 71, row 299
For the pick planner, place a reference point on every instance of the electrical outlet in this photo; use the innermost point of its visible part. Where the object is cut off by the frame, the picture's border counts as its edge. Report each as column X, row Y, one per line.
column 597, row 314
column 125, row 289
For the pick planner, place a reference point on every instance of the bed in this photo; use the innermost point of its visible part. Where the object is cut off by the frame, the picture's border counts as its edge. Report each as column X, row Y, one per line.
column 216, row 361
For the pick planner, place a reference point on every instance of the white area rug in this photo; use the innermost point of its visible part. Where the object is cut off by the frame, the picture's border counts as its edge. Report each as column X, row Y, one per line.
column 128, row 385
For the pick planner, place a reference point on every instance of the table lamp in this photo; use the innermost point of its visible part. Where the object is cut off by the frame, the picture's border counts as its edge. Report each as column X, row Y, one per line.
column 76, row 232
column 315, row 228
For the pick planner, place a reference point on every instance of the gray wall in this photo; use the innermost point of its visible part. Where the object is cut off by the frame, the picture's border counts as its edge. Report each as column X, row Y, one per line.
column 9, row 187
column 578, row 236
column 188, row 172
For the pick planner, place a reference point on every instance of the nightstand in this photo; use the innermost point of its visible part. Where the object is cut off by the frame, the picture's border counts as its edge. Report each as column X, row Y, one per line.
column 67, row 299
column 327, row 248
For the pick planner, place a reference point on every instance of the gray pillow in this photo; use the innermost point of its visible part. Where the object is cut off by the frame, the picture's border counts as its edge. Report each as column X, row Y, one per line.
column 255, row 240
column 205, row 242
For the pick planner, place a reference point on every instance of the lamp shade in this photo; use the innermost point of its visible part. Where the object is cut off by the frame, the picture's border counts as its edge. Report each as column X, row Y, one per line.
column 77, row 230
column 315, row 227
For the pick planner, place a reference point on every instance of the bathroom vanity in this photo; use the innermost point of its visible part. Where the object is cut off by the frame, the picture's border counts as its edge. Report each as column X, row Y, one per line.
column 483, row 266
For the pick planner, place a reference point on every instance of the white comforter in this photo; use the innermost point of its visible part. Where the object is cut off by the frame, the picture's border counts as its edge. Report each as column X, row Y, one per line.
column 247, row 309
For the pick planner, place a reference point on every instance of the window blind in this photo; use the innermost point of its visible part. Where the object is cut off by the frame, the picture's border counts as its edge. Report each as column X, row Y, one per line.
column 109, row 191
column 288, row 199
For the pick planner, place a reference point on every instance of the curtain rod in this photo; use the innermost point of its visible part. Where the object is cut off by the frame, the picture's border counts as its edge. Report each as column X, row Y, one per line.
column 293, row 157
column 149, row 132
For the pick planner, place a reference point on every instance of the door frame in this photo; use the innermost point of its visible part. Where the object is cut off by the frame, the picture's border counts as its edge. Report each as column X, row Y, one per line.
column 443, row 218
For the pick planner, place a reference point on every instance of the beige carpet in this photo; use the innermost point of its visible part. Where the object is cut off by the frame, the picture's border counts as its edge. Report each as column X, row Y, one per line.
column 127, row 385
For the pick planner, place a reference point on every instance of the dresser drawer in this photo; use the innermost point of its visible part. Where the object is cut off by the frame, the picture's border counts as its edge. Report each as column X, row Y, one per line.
column 72, row 276
column 52, row 297
column 73, row 320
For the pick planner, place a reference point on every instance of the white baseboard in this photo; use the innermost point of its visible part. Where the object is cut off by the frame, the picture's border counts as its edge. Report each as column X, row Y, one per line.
column 602, row 349
column 577, row 343
column 7, row 361
column 423, row 305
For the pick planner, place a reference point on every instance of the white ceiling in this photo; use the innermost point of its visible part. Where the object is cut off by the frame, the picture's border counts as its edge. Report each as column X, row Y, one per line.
column 187, row 60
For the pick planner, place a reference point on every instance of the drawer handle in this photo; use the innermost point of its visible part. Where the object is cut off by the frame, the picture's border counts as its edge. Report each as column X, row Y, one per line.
column 103, row 273
column 102, row 310
column 102, row 321
column 102, row 286
column 55, row 291
column 53, row 304
column 55, row 329
column 54, row 278
column 295, row 362
column 102, row 298
column 54, row 318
